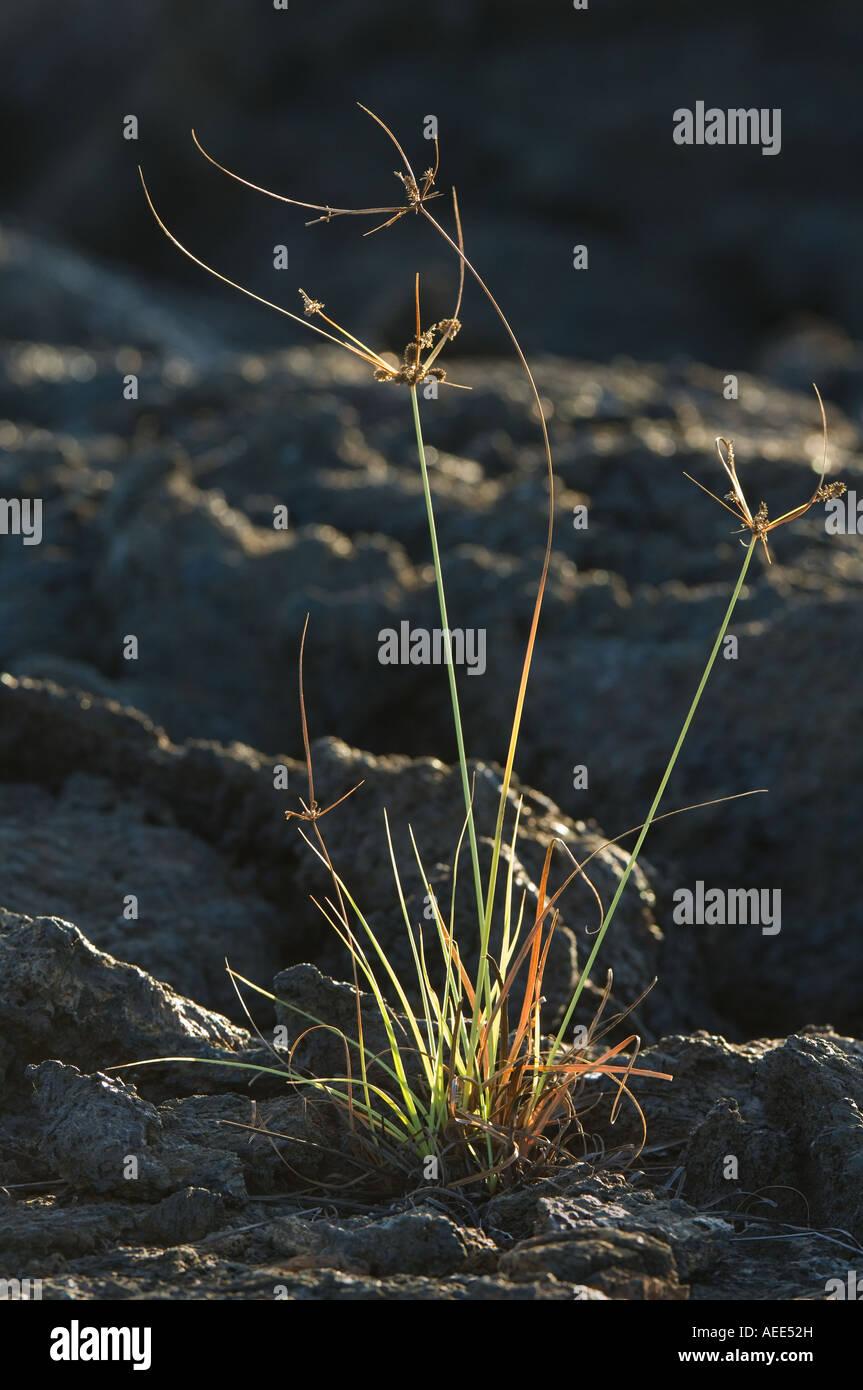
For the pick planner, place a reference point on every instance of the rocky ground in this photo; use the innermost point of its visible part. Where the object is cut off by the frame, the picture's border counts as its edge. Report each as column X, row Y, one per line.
column 154, row 777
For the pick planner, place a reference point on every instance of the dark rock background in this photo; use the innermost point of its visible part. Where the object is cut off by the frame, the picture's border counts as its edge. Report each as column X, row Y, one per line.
column 556, row 126
column 155, row 777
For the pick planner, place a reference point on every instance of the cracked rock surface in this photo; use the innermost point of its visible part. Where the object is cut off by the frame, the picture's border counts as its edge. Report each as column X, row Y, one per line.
column 143, row 837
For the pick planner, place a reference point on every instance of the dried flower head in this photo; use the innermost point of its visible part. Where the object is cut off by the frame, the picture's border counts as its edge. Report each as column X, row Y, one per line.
column 758, row 523
column 311, row 306
column 418, row 191
column 413, row 368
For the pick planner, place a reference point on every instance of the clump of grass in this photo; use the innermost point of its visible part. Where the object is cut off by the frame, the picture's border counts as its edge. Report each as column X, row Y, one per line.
column 469, row 1086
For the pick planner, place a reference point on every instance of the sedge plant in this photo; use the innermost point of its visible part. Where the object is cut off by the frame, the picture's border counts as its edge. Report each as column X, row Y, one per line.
column 457, row 1065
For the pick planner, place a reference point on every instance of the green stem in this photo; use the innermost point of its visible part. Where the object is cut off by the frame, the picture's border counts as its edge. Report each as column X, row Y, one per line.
column 459, row 737
column 633, row 858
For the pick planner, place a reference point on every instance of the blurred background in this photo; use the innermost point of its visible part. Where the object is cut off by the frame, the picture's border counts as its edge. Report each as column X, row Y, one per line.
column 704, row 264
column 555, row 124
